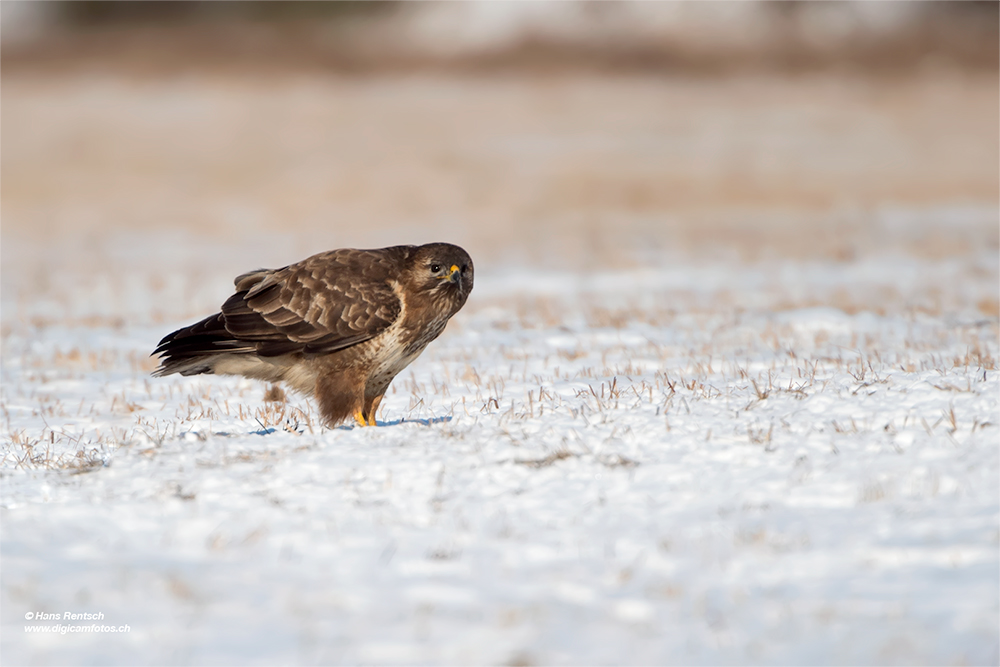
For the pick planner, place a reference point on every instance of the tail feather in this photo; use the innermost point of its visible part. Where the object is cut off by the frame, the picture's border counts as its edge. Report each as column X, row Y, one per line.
column 191, row 350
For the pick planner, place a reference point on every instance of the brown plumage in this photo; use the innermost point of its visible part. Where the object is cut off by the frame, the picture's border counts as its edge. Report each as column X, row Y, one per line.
column 338, row 326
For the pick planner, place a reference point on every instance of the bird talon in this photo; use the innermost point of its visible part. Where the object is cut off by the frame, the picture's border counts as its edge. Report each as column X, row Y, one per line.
column 362, row 420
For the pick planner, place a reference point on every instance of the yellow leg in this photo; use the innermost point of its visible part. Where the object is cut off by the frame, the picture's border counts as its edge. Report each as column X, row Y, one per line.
column 360, row 418
column 373, row 409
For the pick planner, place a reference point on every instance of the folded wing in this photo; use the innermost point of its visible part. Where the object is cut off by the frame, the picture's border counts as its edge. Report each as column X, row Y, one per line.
column 326, row 303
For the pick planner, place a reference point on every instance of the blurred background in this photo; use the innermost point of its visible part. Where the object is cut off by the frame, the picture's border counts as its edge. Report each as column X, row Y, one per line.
column 153, row 148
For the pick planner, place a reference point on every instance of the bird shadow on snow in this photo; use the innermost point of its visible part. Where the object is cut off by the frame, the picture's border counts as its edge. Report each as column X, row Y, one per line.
column 397, row 422
column 351, row 427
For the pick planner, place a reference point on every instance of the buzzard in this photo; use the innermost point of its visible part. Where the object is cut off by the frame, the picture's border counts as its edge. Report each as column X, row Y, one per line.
column 338, row 326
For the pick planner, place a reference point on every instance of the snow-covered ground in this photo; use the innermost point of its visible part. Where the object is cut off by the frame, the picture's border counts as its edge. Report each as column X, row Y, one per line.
column 726, row 390
column 785, row 461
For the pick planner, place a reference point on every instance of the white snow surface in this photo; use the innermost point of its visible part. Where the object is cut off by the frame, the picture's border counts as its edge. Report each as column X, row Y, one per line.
column 585, row 469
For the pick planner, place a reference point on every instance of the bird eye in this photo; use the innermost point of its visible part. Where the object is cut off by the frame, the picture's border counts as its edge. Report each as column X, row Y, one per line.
column 435, row 268
column 465, row 267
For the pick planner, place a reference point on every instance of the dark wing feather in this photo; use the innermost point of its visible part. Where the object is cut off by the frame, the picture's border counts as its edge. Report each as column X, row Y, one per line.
column 186, row 351
column 323, row 304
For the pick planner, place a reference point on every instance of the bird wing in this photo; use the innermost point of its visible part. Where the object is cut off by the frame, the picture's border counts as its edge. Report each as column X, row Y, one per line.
column 326, row 303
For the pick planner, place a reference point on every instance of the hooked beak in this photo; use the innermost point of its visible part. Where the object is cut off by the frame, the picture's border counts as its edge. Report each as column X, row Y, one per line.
column 454, row 274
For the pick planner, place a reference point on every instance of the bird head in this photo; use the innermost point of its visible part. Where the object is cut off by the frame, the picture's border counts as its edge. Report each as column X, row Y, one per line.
column 444, row 271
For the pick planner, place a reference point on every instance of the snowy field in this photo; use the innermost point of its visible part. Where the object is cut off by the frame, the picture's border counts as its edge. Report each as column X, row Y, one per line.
column 627, row 467
column 785, row 458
